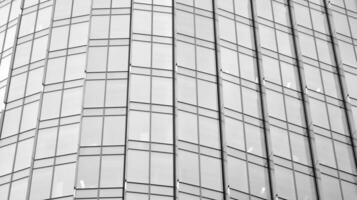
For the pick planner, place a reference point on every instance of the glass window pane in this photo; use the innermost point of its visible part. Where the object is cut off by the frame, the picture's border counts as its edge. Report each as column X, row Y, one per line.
column 11, row 122
column 186, row 55
column 63, row 181
column 204, row 27
column 115, row 62
column 188, row 166
column 50, row 105
column 227, row 29
column 161, row 169
column 79, row 34
column 186, row 89
column 330, row 188
column 271, row 69
column 119, row 26
column 234, row 133
column 68, row 139
column 161, row 128
column 141, row 55
column 112, row 171
column 17, row 87
column 116, row 93
column 187, row 126
column 140, row 88
column 41, row 183
column 285, row 183
column 114, row 130
column 29, row 116
column 255, row 140
column 305, row 186
column 238, row 181
column 259, row 183
column 99, row 27
column 161, row 91
column 229, row 61
column 81, row 7
column 294, row 110
column 139, row 125
column 88, row 172
column 349, row 190
column 209, row 132
column 75, row 66
column 46, row 142
column 142, row 22
column 247, row 67
column 307, row 45
column 94, row 94
column 24, row 154
column 207, row 94
column 162, row 24
column 275, row 102
column 211, row 173
column 344, row 155
column 91, row 131
column 300, row 149
column 318, row 113
column 245, row 34
column 55, row 70
column 280, row 142
column 251, row 104
column 63, row 9
column 18, row 189
column 138, row 166
column 7, row 154
column 162, row 56
column 34, row 81
column 72, row 101
column 44, row 18
column 97, row 58
column 290, row 75
column 59, row 38
column 27, row 23
column 22, row 55
column 267, row 37
column 184, row 23
column 325, row 151
column 232, row 96
column 206, row 60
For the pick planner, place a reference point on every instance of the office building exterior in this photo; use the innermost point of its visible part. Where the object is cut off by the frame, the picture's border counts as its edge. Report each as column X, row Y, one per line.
column 178, row 99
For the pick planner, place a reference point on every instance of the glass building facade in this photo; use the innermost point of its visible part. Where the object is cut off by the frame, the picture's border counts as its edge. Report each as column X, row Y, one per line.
column 178, row 99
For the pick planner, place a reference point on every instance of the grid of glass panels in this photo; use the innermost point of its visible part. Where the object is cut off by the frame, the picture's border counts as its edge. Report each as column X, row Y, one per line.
column 178, row 99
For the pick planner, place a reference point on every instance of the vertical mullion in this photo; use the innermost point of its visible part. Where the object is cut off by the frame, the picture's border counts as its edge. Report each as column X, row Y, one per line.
column 7, row 94
column 342, row 83
column 23, row 99
column 11, row 62
column 2, row 114
column 127, row 100
column 83, row 98
column 175, row 178
column 220, row 106
column 305, row 101
column 104, row 103
column 263, row 102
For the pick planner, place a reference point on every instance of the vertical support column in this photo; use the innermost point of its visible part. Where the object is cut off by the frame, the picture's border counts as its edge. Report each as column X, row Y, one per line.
column 263, row 101
column 174, row 107
column 127, row 100
column 220, row 104
column 342, row 83
column 40, row 104
column 305, row 101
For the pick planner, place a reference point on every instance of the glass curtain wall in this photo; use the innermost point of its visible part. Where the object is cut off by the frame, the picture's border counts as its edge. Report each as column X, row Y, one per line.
column 178, row 99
